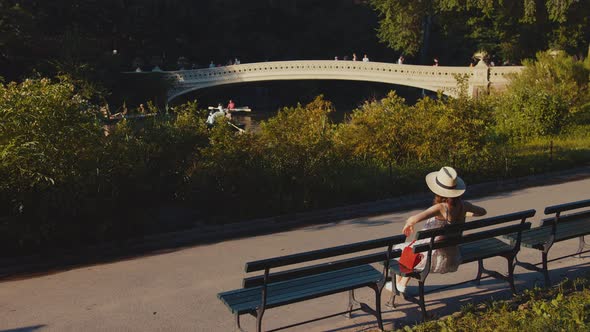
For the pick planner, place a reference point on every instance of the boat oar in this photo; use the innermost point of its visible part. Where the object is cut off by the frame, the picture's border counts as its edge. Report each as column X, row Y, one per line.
column 238, row 128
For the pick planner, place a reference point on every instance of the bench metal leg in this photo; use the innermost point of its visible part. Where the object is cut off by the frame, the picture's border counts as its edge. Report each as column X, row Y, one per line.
column 259, row 314
column 378, row 308
column 351, row 303
column 422, row 303
column 364, row 307
column 479, row 271
column 238, row 323
column 391, row 302
column 545, row 269
column 581, row 247
column 511, row 274
column 541, row 269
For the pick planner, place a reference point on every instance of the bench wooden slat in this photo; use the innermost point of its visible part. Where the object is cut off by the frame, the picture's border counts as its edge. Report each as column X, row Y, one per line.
column 470, row 252
column 579, row 227
column 334, row 286
column 532, row 237
column 536, row 237
column 496, row 232
column 320, row 268
column 483, row 249
column 473, row 237
column 322, row 253
column 295, row 290
column 567, row 206
column 285, row 286
column 481, row 244
column 451, row 229
column 572, row 217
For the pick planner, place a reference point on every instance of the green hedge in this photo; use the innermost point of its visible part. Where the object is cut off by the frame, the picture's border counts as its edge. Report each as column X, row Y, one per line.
column 68, row 179
column 565, row 307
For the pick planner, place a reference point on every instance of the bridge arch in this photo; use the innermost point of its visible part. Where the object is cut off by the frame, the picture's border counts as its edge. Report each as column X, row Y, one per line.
column 423, row 77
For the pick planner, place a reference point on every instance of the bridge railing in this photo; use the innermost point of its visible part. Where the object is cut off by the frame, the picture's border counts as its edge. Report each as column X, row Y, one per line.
column 220, row 73
column 503, row 74
column 435, row 78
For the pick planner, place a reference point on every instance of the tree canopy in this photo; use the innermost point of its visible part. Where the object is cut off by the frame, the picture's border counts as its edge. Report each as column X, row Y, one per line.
column 510, row 29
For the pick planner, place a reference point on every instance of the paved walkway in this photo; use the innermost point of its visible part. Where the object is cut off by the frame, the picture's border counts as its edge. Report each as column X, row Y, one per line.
column 176, row 290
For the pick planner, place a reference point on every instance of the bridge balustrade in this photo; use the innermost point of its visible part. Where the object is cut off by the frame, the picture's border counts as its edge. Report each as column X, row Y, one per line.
column 439, row 78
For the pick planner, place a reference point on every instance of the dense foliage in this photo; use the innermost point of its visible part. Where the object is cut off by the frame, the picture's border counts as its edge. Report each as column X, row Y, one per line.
column 69, row 176
column 562, row 308
column 511, row 30
column 545, row 97
column 63, row 182
column 79, row 36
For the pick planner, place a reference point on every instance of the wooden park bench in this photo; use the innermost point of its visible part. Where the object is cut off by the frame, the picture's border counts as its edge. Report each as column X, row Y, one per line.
column 556, row 229
column 270, row 290
column 476, row 242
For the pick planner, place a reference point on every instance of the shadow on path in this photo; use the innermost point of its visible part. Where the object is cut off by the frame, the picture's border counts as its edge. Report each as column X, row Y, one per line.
column 439, row 305
column 25, row 329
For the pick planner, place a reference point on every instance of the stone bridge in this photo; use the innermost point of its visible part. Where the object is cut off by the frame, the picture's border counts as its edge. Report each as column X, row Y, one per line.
column 480, row 78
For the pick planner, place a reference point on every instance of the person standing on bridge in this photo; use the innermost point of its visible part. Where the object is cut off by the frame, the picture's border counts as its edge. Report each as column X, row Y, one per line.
column 365, row 58
column 354, row 57
column 447, row 209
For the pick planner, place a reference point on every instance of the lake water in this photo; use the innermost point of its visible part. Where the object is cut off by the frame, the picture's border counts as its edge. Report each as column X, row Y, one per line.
column 266, row 98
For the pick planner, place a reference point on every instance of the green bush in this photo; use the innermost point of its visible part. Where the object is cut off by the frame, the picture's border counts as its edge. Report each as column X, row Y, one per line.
column 64, row 182
column 544, row 98
column 49, row 142
column 66, row 179
column 564, row 308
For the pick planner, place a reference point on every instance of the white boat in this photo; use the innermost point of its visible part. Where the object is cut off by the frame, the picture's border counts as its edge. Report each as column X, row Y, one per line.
column 236, row 109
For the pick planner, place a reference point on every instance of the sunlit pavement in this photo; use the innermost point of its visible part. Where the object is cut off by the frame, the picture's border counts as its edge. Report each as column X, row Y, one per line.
column 176, row 291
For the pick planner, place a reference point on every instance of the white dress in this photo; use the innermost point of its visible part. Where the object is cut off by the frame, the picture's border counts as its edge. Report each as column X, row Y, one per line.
column 444, row 259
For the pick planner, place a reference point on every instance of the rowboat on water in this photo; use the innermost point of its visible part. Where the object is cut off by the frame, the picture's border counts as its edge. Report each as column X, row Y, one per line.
column 233, row 110
column 220, row 112
column 108, row 117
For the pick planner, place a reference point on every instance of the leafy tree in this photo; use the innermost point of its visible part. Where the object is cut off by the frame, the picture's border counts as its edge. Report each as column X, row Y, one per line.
column 16, row 36
column 297, row 145
column 49, row 142
column 543, row 99
column 377, row 132
column 228, row 177
column 45, row 133
column 509, row 28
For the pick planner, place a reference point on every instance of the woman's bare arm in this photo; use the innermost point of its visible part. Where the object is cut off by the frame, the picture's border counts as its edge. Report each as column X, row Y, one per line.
column 432, row 211
column 472, row 210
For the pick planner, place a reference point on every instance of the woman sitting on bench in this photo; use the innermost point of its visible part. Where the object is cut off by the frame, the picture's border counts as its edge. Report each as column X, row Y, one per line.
column 448, row 209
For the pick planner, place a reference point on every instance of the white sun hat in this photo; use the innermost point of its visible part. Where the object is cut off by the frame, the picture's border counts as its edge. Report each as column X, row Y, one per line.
column 446, row 183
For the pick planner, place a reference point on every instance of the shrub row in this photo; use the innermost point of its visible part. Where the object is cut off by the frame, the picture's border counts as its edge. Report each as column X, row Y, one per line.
column 562, row 308
column 67, row 178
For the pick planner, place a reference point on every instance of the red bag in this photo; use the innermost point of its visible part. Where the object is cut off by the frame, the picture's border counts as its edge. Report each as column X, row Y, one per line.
column 409, row 259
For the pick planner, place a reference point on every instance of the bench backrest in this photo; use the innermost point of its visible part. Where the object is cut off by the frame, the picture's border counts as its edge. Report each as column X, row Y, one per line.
column 558, row 209
column 266, row 264
column 456, row 231
column 567, row 206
